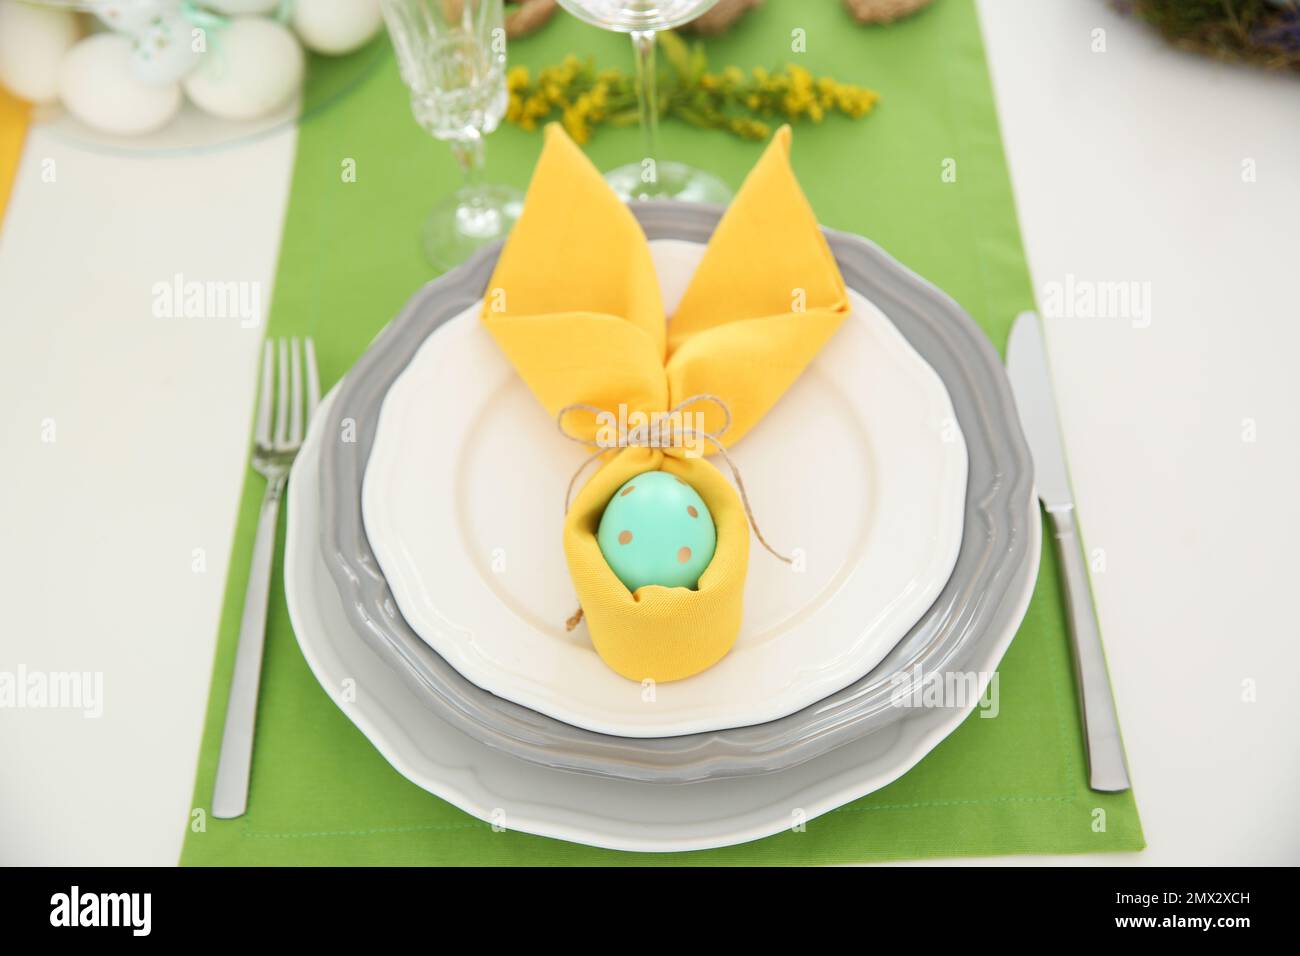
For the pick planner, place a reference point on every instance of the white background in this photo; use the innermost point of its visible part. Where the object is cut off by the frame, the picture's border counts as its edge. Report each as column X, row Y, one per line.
column 1127, row 166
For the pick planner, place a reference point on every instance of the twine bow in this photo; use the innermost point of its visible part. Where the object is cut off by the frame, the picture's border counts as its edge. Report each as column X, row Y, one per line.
column 651, row 435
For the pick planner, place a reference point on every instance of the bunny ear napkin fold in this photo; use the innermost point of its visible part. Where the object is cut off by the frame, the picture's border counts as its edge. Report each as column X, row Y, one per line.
column 574, row 303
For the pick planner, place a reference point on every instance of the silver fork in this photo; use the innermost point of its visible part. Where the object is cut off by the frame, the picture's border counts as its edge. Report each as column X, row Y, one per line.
column 273, row 454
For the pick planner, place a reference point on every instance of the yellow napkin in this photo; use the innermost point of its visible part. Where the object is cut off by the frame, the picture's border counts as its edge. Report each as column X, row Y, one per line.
column 13, row 127
column 574, row 303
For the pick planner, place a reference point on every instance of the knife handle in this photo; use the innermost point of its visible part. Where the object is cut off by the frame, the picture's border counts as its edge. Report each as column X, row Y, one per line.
column 1107, row 769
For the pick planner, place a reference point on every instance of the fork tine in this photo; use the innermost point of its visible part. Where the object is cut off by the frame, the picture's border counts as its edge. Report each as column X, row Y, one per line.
column 263, row 433
column 282, row 397
column 313, row 379
column 295, row 392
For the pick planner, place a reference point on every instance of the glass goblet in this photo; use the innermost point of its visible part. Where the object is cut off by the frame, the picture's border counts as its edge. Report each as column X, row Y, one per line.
column 651, row 178
column 452, row 58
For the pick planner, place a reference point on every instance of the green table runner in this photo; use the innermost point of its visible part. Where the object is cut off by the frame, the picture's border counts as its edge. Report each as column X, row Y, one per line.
column 321, row 794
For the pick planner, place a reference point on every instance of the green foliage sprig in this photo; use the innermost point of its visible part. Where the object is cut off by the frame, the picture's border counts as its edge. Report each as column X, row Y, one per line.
column 584, row 98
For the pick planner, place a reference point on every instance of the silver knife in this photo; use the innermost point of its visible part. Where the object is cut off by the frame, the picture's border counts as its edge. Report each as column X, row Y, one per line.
column 1031, row 383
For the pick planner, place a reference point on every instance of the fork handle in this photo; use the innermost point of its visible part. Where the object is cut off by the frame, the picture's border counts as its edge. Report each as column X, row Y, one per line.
column 230, row 794
column 1107, row 770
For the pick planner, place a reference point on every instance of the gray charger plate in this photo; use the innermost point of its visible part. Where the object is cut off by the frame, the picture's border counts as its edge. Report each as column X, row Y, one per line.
column 991, row 574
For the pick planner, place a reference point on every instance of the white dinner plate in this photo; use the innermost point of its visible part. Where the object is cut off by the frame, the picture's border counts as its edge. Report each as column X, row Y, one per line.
column 599, row 811
column 860, row 470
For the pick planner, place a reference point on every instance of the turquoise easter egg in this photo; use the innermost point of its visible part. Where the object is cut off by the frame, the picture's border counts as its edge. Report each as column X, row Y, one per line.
column 657, row 530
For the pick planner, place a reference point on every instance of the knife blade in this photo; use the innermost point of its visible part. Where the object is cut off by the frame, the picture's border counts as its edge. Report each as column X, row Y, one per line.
column 1031, row 384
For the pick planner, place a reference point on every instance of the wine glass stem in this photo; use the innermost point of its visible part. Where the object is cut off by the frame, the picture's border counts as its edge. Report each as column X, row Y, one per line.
column 643, row 45
column 469, row 156
column 475, row 213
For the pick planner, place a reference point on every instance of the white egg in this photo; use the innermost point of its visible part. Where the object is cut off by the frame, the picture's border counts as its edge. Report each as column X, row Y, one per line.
column 132, row 16
column 232, row 8
column 99, row 87
column 336, row 26
column 33, row 41
column 165, row 51
column 252, row 68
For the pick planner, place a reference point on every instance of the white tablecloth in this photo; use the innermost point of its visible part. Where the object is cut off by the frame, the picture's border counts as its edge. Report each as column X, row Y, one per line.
column 1128, row 167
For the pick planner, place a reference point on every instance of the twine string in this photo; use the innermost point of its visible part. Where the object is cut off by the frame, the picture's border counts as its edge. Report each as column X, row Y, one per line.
column 649, row 435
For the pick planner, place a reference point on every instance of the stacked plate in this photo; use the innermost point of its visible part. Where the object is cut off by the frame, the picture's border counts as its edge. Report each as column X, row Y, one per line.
column 429, row 593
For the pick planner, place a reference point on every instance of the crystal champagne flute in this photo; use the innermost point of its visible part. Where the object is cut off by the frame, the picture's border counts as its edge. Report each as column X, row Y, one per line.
column 452, row 58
